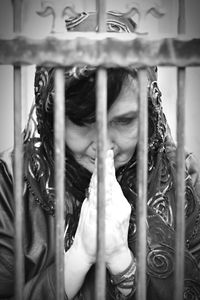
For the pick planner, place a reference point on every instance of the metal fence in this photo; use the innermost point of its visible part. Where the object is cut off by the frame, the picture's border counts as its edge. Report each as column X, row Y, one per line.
column 100, row 49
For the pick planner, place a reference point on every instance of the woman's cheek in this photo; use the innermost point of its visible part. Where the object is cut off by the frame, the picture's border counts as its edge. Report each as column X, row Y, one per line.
column 125, row 153
column 74, row 142
column 75, row 137
column 127, row 142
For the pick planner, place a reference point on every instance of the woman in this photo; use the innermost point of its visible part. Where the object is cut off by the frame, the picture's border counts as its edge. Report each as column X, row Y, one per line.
column 81, row 188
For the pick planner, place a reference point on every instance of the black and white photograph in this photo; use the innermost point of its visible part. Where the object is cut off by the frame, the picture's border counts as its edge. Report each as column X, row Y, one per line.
column 99, row 150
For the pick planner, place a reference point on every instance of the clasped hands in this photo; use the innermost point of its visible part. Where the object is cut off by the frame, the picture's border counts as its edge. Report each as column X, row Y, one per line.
column 117, row 215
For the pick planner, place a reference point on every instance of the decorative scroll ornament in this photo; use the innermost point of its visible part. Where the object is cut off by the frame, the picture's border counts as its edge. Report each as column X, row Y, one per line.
column 59, row 9
column 143, row 8
column 160, row 262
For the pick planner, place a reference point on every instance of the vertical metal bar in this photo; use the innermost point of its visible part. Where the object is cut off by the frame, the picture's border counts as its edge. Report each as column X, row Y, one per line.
column 101, row 116
column 181, row 17
column 101, row 15
column 180, row 215
column 17, row 15
column 59, row 146
column 142, row 187
column 18, row 165
column 19, row 262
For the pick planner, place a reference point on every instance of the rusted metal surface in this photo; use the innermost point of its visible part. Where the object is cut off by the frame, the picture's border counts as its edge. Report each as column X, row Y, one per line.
column 102, row 48
column 59, row 145
column 142, row 188
column 101, row 116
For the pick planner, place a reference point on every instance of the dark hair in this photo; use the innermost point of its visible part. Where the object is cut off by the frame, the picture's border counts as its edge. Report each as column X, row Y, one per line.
column 81, row 95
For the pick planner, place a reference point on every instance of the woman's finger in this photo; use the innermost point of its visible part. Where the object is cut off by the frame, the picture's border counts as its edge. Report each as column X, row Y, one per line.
column 92, row 190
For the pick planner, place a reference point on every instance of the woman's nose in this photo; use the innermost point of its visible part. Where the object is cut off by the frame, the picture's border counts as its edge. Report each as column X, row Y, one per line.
column 109, row 142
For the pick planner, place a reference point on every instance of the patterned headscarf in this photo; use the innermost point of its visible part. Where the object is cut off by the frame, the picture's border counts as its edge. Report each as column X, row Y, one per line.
column 77, row 178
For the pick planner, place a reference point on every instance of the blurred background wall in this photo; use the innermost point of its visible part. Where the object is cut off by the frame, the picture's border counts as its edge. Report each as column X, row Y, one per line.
column 36, row 27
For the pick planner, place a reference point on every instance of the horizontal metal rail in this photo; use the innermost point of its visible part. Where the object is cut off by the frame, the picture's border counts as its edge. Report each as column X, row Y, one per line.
column 102, row 49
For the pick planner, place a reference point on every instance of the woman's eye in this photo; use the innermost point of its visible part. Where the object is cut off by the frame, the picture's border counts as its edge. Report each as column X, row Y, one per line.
column 124, row 121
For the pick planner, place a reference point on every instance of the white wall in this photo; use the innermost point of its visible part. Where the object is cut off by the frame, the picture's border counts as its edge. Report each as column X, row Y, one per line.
column 36, row 26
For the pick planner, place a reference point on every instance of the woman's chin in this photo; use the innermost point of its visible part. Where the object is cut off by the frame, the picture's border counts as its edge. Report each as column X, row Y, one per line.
column 121, row 163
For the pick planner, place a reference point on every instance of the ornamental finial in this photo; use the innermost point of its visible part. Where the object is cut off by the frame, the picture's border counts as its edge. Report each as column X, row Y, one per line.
column 143, row 8
column 59, row 9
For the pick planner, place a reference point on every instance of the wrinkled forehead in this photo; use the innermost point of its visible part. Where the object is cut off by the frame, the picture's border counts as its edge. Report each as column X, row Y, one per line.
column 85, row 21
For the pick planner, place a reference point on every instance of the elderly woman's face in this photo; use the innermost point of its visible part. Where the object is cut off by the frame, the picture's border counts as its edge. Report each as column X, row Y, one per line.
column 122, row 130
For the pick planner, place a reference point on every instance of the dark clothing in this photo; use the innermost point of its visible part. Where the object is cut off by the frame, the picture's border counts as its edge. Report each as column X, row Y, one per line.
column 39, row 242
